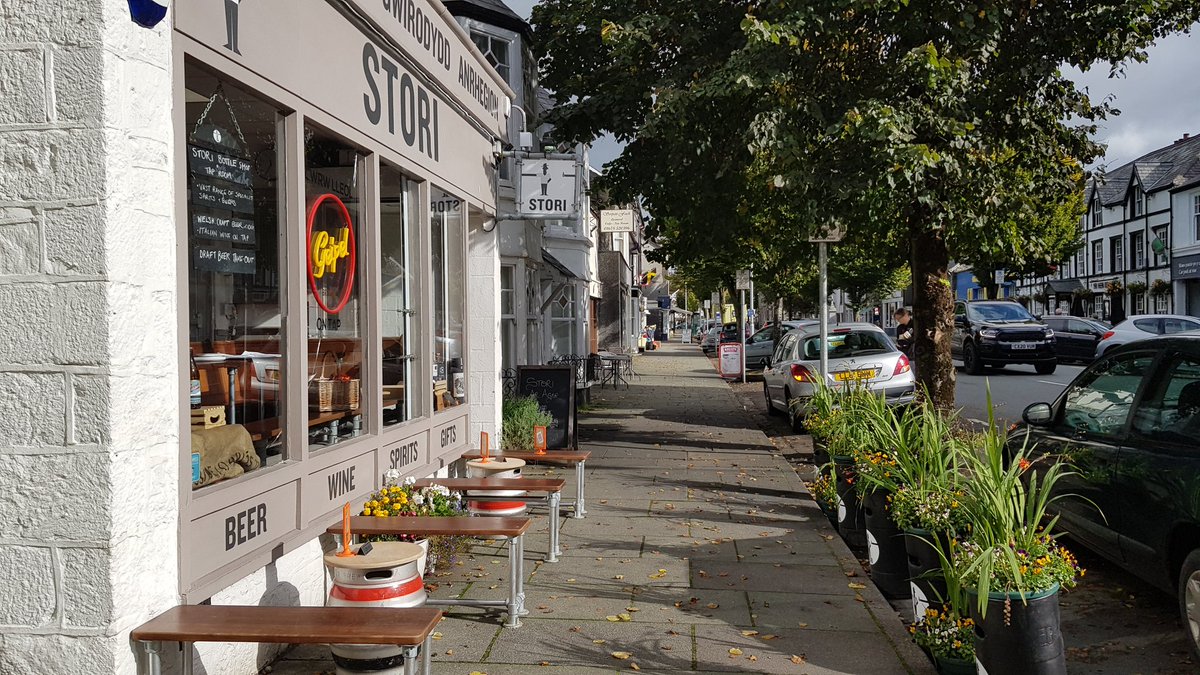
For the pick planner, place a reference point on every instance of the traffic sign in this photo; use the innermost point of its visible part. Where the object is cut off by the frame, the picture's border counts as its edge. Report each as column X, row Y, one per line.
column 743, row 280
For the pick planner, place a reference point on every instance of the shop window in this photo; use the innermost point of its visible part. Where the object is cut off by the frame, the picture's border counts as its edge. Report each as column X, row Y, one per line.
column 333, row 218
column 508, row 318
column 448, row 242
column 562, row 323
column 399, row 318
column 235, row 316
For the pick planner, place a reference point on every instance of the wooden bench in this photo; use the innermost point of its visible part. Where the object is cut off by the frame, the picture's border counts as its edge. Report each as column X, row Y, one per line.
column 481, row 526
column 548, row 489
column 576, row 458
column 410, row 629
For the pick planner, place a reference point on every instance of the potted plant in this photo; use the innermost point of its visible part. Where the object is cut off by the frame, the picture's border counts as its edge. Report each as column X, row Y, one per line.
column 1011, row 565
column 1136, row 287
column 823, row 489
column 1160, row 287
column 1084, row 294
column 402, row 498
column 519, row 415
column 949, row 639
column 1113, row 287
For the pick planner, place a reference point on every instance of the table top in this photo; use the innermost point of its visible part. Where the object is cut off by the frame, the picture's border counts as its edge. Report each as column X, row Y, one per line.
column 526, row 484
column 291, row 625
column 468, row 526
column 551, row 456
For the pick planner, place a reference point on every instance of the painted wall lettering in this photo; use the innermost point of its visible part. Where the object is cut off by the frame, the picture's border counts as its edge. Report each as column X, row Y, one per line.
column 400, row 97
column 341, row 482
column 448, row 436
column 245, row 525
column 405, row 454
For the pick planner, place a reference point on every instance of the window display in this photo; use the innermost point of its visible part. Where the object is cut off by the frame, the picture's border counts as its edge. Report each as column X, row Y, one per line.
column 399, row 318
column 333, row 177
column 235, row 318
column 448, row 241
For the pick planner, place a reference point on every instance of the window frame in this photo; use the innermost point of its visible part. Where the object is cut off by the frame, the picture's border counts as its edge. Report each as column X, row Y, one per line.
column 1098, row 256
column 1122, row 432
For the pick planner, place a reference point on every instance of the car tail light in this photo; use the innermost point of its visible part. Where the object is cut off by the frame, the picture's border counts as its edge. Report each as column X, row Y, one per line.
column 802, row 374
column 1108, row 335
column 902, row 365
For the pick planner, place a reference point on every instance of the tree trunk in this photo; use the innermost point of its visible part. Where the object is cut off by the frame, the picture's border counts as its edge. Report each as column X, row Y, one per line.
column 933, row 315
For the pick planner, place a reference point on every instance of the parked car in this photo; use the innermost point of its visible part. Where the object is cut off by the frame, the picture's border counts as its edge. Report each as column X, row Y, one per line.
column 1128, row 425
column 708, row 343
column 999, row 332
column 1143, row 326
column 761, row 345
column 859, row 353
column 730, row 333
column 1075, row 338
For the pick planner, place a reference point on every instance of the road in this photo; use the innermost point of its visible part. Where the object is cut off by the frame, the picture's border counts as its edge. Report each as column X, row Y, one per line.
column 1013, row 388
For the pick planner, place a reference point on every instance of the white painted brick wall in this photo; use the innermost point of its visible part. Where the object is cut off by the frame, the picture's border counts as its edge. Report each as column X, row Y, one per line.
column 483, row 326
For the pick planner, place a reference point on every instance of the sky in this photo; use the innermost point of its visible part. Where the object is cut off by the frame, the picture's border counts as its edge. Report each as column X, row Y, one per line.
column 1159, row 100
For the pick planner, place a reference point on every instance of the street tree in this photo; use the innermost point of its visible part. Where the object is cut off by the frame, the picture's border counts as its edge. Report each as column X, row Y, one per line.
column 930, row 121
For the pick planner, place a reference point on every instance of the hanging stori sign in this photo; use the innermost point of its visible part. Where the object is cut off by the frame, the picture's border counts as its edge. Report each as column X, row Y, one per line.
column 332, row 253
column 549, row 188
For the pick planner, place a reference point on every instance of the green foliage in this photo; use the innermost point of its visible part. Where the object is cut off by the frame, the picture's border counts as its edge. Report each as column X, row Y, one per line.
column 519, row 415
column 928, row 129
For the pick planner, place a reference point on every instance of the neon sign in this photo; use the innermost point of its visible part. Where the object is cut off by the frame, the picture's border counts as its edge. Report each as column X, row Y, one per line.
column 327, row 250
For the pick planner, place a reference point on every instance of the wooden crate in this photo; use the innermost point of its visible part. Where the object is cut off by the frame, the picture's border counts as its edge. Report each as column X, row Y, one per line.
column 209, row 416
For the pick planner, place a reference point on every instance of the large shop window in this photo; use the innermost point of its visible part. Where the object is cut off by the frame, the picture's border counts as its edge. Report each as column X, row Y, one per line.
column 333, row 220
column 399, row 316
column 234, row 315
column 448, row 241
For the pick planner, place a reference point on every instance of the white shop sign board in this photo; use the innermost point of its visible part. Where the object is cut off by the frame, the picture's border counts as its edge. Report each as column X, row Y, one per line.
column 548, row 187
column 616, row 220
column 729, row 359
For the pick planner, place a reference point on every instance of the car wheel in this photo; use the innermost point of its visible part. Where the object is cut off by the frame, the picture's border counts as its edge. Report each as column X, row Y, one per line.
column 771, row 409
column 796, row 421
column 971, row 362
column 1045, row 368
column 1189, row 598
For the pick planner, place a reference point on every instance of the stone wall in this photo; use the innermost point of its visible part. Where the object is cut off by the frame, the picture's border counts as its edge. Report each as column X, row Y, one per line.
column 88, row 384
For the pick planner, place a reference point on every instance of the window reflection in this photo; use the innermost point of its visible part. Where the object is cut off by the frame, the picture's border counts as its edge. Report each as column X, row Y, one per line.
column 399, row 317
column 448, row 241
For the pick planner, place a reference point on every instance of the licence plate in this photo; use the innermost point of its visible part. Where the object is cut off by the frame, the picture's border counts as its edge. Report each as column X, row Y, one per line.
column 1024, row 345
column 853, row 375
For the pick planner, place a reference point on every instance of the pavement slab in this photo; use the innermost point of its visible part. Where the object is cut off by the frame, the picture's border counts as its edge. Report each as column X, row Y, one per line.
column 700, row 539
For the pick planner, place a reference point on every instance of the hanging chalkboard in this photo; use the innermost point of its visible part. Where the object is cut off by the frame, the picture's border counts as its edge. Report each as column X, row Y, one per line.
column 554, row 389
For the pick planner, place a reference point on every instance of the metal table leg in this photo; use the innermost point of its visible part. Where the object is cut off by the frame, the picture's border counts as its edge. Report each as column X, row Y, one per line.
column 514, row 571
column 153, row 657
column 555, row 501
column 410, row 659
column 427, row 655
column 521, row 611
column 579, row 480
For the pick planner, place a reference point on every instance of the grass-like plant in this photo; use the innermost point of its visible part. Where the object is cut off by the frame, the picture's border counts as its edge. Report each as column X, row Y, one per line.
column 519, row 415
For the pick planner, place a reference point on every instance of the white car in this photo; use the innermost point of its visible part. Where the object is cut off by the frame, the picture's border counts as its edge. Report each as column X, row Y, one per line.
column 1143, row 326
column 859, row 353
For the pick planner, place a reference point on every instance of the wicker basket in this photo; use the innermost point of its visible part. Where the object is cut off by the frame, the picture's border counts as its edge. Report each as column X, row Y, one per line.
column 321, row 389
column 345, row 394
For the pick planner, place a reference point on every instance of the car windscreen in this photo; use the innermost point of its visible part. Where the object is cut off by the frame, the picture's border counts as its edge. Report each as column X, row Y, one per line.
column 998, row 312
column 845, row 345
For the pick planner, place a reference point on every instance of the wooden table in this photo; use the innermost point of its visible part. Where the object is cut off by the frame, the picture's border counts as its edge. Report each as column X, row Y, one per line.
column 549, row 488
column 408, row 628
column 576, row 458
column 479, row 526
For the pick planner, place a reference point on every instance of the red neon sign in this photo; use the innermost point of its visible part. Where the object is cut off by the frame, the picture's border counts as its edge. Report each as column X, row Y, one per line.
column 326, row 251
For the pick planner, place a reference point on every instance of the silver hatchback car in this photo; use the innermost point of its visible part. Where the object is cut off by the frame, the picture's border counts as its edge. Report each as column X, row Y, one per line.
column 859, row 354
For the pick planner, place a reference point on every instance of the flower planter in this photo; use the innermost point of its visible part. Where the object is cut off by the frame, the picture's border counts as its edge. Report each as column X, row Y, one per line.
column 1026, row 639
column 949, row 666
column 850, row 517
column 495, row 467
column 830, row 511
column 924, row 569
column 885, row 547
column 386, row 578
column 820, row 453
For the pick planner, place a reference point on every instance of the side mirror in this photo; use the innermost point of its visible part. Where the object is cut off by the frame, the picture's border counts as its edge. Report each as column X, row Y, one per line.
column 1038, row 414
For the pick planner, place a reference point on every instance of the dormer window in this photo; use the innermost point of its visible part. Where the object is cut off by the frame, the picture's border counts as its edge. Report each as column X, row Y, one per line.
column 1097, row 214
column 495, row 50
column 1139, row 201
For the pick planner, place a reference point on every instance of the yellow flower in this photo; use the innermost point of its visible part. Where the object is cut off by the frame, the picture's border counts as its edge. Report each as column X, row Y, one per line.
column 387, row 500
column 366, row 512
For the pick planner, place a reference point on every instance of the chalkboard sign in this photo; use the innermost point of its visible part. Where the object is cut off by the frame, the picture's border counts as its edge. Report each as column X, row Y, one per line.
column 554, row 389
column 211, row 259
column 223, row 228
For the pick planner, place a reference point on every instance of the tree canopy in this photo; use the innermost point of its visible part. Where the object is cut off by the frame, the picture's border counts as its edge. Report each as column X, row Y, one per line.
column 934, row 127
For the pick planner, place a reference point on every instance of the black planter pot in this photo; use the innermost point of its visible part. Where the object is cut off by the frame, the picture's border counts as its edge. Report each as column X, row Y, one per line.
column 885, row 547
column 850, row 516
column 820, row 453
column 1027, row 641
column 830, row 511
column 926, row 585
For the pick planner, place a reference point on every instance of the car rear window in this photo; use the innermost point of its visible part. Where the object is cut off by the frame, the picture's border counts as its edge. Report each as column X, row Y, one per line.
column 1146, row 325
column 844, row 345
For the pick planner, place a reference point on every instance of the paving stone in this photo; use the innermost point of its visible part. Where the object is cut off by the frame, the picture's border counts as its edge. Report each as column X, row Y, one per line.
column 819, row 612
column 557, row 643
column 691, row 606
column 823, row 652
column 767, row 577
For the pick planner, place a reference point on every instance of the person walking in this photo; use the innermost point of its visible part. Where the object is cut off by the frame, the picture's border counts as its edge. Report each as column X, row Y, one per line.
column 905, row 332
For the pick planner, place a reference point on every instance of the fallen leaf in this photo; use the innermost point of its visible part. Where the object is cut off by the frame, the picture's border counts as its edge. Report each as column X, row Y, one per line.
column 749, row 633
column 797, row 659
column 543, row 663
column 624, row 617
column 632, row 609
column 494, row 586
column 770, row 637
column 619, row 577
column 712, row 605
column 666, row 648
column 851, row 573
column 436, row 635
column 576, row 629
column 634, row 666
column 598, row 642
column 803, row 625
column 621, row 655
column 612, row 617
column 734, row 651
column 449, row 652
column 570, row 581
column 753, row 657
column 856, row 586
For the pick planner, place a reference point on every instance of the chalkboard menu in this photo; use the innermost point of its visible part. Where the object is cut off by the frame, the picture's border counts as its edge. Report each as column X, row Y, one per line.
column 554, row 389
column 222, row 206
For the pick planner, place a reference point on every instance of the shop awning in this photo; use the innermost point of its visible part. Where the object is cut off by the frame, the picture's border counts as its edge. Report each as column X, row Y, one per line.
column 1063, row 286
column 557, row 264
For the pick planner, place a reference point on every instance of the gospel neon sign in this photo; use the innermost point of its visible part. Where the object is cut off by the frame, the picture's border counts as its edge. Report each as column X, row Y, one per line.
column 327, row 250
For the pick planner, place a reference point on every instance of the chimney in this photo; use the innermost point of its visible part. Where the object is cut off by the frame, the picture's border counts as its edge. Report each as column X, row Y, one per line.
column 1185, row 137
